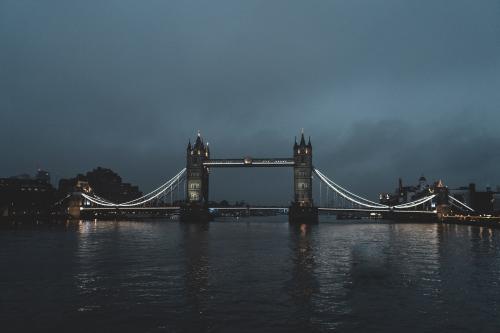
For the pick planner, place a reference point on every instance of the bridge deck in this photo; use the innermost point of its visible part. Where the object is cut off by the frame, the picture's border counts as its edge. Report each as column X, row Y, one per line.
column 248, row 208
column 131, row 208
column 327, row 209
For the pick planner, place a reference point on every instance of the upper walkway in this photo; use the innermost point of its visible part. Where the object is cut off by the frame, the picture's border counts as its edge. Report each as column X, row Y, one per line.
column 250, row 162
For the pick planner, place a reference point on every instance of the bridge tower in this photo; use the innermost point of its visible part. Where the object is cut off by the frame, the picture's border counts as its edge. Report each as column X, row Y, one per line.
column 442, row 199
column 302, row 209
column 195, row 208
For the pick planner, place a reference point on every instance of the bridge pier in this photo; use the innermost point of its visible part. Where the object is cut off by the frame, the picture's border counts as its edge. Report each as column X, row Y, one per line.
column 195, row 213
column 302, row 215
column 74, row 206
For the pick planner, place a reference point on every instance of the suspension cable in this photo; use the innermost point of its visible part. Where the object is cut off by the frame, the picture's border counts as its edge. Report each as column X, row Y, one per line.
column 320, row 175
column 416, row 202
column 336, row 188
column 460, row 202
column 139, row 201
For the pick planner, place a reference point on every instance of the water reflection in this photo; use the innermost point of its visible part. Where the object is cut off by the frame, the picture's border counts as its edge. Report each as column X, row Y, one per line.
column 250, row 277
column 394, row 270
column 196, row 255
column 470, row 265
column 303, row 284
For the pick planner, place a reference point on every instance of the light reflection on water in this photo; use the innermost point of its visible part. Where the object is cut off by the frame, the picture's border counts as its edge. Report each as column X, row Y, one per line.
column 256, row 274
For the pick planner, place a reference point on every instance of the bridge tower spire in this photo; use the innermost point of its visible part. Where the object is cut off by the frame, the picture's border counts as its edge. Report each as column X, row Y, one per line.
column 302, row 209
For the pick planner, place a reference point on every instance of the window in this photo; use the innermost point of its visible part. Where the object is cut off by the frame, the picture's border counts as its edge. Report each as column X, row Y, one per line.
column 302, row 186
column 194, row 186
column 301, row 173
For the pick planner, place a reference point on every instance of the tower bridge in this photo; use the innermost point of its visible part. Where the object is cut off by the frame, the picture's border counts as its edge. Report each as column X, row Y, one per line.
column 193, row 204
column 197, row 178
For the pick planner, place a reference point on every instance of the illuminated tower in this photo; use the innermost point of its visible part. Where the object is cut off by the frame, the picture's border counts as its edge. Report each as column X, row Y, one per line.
column 302, row 172
column 196, row 172
column 302, row 209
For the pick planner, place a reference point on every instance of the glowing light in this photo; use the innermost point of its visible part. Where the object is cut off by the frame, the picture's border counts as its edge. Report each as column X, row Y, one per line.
column 339, row 189
column 168, row 187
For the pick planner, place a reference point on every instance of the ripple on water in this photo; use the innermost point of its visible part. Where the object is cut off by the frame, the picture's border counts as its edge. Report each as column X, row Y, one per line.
column 254, row 275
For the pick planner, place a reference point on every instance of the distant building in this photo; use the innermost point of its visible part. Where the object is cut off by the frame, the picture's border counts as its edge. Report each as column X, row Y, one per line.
column 23, row 195
column 404, row 194
column 483, row 202
column 21, row 176
column 43, row 176
column 103, row 182
column 70, row 185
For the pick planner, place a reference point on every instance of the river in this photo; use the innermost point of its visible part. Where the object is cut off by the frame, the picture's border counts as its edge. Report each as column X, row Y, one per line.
column 249, row 275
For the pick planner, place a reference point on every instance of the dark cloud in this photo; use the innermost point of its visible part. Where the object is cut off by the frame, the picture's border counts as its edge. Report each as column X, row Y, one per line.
column 385, row 88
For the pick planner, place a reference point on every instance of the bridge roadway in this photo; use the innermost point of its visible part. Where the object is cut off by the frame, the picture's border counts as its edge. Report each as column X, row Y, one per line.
column 285, row 209
column 128, row 208
column 356, row 210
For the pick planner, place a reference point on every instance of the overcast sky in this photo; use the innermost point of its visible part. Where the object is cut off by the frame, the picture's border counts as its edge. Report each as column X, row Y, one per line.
column 385, row 89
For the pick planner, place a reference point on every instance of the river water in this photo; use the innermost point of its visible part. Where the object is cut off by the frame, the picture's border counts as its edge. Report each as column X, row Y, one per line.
column 249, row 275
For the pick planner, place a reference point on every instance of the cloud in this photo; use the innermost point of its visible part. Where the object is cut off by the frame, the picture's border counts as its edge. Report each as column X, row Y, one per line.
column 384, row 88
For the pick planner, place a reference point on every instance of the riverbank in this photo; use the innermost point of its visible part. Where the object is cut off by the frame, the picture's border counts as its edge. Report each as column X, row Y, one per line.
column 480, row 221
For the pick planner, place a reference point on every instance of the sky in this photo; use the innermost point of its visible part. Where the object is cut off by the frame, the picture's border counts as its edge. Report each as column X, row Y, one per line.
column 385, row 89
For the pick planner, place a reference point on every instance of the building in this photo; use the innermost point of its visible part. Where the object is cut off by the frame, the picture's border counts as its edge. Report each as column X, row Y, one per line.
column 483, row 202
column 404, row 194
column 75, row 184
column 103, row 182
column 43, row 176
column 26, row 196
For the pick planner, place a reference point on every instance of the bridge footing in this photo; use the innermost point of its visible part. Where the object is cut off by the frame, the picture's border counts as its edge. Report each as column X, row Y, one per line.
column 73, row 208
column 302, row 215
column 193, row 213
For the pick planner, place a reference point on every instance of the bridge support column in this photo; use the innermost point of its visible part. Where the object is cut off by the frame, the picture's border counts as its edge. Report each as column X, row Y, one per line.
column 302, row 209
column 302, row 215
column 74, row 205
column 195, row 207
column 442, row 200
